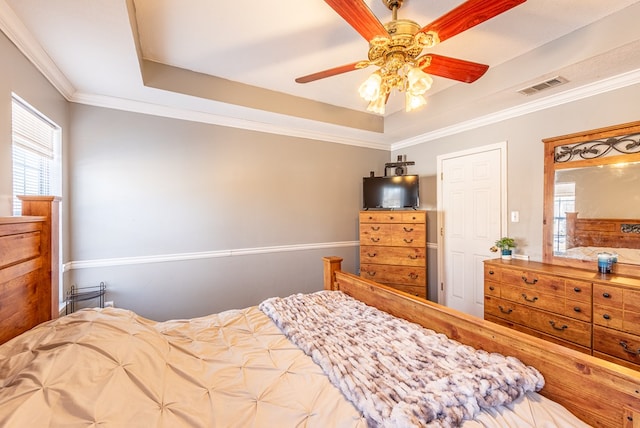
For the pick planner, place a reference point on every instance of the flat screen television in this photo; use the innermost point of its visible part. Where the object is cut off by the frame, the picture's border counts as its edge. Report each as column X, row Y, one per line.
column 398, row 191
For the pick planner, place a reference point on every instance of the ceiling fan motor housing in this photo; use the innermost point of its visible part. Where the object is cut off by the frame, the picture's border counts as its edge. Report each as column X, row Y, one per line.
column 404, row 45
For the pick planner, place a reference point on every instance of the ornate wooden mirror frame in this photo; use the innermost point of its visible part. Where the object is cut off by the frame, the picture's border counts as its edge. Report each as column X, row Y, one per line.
column 595, row 148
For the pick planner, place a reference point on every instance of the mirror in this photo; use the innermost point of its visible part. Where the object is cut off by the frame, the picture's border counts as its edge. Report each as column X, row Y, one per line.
column 592, row 198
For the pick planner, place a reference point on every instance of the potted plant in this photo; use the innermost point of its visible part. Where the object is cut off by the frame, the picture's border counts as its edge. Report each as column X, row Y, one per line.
column 506, row 246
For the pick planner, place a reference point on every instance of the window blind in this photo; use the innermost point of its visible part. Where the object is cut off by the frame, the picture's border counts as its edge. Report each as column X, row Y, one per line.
column 33, row 152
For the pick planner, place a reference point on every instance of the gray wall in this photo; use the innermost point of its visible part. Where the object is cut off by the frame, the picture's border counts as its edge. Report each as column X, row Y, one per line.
column 181, row 219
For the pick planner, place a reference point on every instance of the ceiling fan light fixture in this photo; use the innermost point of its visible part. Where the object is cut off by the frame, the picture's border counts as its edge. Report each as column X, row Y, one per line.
column 370, row 88
column 378, row 105
column 418, row 82
column 414, row 101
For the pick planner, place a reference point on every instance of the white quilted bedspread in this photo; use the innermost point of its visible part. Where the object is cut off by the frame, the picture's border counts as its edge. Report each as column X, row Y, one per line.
column 112, row 368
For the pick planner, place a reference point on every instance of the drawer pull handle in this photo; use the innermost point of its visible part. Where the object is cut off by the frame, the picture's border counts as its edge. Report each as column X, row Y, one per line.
column 371, row 273
column 562, row 327
column 526, row 281
column 375, row 228
column 606, row 316
column 577, row 309
column 606, row 295
column 391, row 217
column 412, row 257
column 532, row 300
column 577, row 289
column 408, row 229
column 408, row 241
column 413, row 275
column 625, row 346
column 505, row 311
column 372, row 255
column 492, row 288
column 490, row 272
column 370, row 218
column 375, row 239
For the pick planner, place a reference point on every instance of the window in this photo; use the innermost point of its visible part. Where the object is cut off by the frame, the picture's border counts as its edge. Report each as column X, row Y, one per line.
column 36, row 153
column 564, row 201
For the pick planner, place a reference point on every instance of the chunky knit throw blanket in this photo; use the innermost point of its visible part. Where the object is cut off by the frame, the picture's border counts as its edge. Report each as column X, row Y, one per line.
column 397, row 373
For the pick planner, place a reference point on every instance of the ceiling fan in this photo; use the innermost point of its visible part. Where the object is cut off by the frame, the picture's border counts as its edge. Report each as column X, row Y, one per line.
column 396, row 48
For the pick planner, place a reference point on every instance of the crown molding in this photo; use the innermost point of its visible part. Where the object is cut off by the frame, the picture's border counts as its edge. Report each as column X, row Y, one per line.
column 300, row 128
column 616, row 82
column 15, row 30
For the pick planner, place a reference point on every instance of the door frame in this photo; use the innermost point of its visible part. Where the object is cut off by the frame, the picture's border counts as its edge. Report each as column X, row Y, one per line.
column 502, row 147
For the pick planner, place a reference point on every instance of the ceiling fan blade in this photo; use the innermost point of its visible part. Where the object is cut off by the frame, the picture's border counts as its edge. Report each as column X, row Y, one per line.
column 467, row 15
column 456, row 69
column 360, row 17
column 328, row 73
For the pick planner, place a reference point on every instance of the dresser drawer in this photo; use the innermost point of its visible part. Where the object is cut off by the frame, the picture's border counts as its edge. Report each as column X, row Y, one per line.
column 562, row 327
column 616, row 343
column 393, row 217
column 533, row 298
column 405, row 256
column 534, row 281
column 578, row 290
column 408, row 235
column 631, row 322
column 492, row 288
column 506, row 310
column 414, row 290
column 607, row 316
column 408, row 275
column 631, row 300
column 607, row 295
column 375, row 234
column 491, row 273
column 414, row 217
column 578, row 309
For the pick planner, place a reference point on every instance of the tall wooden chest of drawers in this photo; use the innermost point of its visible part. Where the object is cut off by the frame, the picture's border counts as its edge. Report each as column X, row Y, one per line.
column 393, row 249
column 578, row 308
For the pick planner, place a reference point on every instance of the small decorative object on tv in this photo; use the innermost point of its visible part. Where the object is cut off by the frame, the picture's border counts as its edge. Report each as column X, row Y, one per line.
column 398, row 191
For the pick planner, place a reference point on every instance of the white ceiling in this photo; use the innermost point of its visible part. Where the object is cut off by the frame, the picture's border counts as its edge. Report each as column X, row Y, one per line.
column 88, row 50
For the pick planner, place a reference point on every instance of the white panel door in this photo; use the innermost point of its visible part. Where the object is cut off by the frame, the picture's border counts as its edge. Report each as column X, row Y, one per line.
column 471, row 206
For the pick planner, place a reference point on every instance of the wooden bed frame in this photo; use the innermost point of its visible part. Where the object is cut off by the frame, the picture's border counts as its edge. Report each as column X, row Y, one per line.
column 601, row 393
column 601, row 232
column 29, row 266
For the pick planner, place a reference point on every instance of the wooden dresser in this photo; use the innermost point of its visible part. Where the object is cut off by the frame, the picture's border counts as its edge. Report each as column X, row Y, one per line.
column 582, row 309
column 393, row 249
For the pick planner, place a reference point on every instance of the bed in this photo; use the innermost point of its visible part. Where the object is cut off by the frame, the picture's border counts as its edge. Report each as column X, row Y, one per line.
column 254, row 367
column 586, row 237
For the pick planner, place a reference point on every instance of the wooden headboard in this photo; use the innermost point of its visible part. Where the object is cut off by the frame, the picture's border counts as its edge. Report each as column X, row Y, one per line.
column 602, row 232
column 29, row 266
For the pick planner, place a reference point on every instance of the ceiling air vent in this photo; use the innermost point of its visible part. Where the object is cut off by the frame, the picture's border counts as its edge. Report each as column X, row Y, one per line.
column 558, row 80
